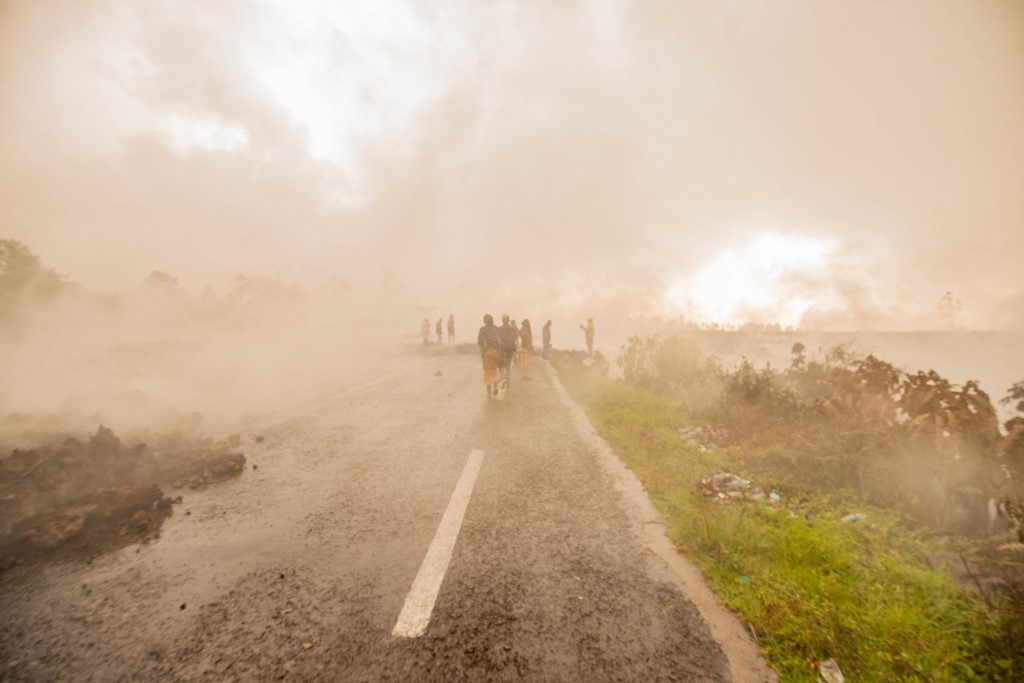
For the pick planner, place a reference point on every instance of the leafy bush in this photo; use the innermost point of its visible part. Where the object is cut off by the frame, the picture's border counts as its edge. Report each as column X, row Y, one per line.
column 910, row 440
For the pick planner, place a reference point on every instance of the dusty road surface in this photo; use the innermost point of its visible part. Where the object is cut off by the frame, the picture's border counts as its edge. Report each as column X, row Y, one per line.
column 406, row 529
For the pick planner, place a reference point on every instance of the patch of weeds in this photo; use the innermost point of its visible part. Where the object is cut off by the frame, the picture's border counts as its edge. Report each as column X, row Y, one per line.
column 810, row 585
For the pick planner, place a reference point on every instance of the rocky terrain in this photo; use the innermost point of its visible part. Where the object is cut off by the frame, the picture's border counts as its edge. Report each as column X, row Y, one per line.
column 85, row 496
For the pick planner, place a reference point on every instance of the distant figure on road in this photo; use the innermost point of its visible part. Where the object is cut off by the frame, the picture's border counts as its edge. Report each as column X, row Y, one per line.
column 525, row 347
column 425, row 331
column 546, row 335
column 451, row 327
column 489, row 340
column 439, row 328
column 508, row 348
column 588, row 331
column 514, row 360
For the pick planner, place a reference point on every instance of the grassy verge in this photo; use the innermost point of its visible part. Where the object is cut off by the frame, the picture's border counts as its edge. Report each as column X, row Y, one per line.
column 811, row 585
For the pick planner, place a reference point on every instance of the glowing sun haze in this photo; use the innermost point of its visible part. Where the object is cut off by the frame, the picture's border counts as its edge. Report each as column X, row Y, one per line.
column 827, row 164
column 766, row 281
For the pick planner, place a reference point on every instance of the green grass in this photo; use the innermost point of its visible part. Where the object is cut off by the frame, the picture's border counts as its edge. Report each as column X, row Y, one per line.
column 810, row 586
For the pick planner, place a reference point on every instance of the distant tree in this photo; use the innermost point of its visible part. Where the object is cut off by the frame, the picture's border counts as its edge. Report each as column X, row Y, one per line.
column 20, row 269
column 799, row 361
column 1012, row 446
column 160, row 280
column 1015, row 393
column 24, row 277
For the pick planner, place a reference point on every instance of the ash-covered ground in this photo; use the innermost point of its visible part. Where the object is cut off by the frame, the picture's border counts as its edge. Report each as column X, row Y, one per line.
column 72, row 496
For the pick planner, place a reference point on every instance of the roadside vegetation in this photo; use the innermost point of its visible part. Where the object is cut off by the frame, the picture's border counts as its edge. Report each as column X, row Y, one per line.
column 840, row 505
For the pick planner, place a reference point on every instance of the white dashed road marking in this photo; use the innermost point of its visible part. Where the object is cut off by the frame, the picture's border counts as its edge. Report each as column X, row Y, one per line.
column 415, row 616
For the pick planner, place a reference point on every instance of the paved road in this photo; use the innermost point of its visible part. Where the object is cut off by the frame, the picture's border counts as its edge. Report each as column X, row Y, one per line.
column 299, row 569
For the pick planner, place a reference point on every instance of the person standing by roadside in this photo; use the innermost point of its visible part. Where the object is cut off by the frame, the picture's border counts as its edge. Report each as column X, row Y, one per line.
column 439, row 329
column 489, row 340
column 508, row 349
column 546, row 336
column 588, row 332
column 525, row 347
column 451, row 327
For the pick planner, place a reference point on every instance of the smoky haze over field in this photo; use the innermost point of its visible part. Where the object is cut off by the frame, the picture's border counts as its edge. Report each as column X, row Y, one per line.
column 820, row 164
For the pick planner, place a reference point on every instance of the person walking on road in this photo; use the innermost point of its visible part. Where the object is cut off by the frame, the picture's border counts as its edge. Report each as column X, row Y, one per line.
column 525, row 347
column 451, row 327
column 508, row 349
column 425, row 331
column 515, row 356
column 489, row 340
column 588, row 331
column 439, row 329
column 546, row 336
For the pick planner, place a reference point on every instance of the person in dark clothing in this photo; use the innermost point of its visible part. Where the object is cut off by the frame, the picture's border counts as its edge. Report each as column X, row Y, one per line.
column 489, row 340
column 546, row 335
column 525, row 347
column 439, row 329
column 526, row 335
column 508, row 348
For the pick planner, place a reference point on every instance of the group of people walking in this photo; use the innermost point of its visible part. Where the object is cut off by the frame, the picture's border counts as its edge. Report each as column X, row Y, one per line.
column 501, row 347
column 504, row 346
column 439, row 329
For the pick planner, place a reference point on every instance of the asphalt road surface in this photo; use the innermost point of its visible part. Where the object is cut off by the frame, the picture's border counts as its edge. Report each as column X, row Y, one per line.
column 408, row 528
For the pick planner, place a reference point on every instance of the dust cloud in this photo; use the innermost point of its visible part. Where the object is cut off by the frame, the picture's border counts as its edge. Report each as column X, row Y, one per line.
column 159, row 358
column 245, row 202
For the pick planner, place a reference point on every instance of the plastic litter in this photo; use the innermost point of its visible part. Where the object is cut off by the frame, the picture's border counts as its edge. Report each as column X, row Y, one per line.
column 853, row 517
column 830, row 672
column 710, row 437
column 724, row 485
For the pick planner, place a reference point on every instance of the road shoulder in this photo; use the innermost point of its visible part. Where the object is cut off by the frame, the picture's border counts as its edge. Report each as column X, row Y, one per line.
column 745, row 661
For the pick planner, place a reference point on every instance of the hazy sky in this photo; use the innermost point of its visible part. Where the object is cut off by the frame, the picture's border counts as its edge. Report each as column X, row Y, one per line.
column 841, row 163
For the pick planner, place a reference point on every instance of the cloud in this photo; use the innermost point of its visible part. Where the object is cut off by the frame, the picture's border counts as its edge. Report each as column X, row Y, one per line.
column 584, row 151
